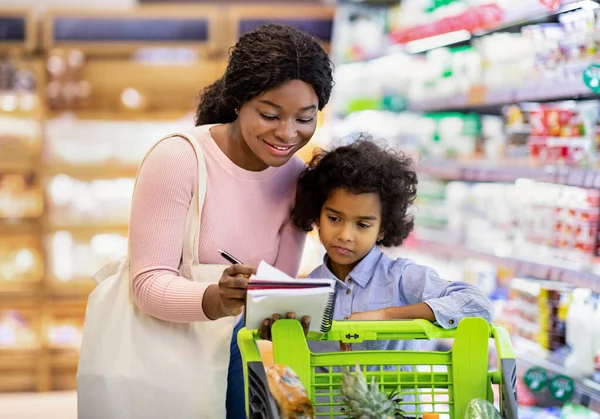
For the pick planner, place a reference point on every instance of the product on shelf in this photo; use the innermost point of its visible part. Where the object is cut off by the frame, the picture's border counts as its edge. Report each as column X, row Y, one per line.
column 552, row 133
column 70, row 259
column 66, row 90
column 20, row 196
column 17, row 88
column 580, row 362
column 21, row 259
column 15, row 331
column 541, row 311
column 74, row 202
column 529, row 220
column 540, row 61
column 73, row 142
column 65, row 333
column 21, row 133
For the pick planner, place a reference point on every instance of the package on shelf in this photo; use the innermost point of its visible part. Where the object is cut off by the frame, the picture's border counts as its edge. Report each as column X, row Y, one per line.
column 77, row 259
column 21, row 259
column 64, row 327
column 529, row 220
column 76, row 142
column 20, row 132
column 558, row 217
column 360, row 33
column 541, row 311
column 434, row 136
column 73, row 202
column 21, row 196
column 16, row 330
column 554, row 133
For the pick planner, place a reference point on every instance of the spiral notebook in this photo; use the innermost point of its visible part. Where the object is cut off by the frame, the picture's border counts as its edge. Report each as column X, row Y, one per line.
column 271, row 291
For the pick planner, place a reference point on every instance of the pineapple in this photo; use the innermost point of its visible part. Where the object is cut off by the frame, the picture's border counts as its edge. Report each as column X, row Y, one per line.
column 367, row 401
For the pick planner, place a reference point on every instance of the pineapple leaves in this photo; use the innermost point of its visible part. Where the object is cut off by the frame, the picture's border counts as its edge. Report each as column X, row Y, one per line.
column 368, row 401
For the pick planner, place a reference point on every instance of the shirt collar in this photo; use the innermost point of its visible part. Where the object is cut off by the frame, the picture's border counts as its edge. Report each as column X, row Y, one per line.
column 363, row 272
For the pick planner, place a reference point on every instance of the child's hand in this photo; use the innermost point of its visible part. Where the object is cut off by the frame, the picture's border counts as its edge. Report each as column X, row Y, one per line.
column 370, row 315
column 265, row 329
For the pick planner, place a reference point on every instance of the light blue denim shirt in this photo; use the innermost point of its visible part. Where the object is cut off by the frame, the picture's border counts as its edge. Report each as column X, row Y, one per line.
column 379, row 282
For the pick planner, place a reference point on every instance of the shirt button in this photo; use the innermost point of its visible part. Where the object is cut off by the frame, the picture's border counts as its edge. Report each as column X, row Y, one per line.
column 348, row 291
column 345, row 317
column 450, row 321
column 349, row 280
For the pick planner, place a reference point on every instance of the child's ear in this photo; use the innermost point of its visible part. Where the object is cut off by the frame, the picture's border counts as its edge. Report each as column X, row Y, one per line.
column 380, row 237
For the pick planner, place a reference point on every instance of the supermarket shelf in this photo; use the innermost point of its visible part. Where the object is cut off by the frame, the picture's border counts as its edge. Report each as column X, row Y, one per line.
column 19, row 225
column 480, row 98
column 86, row 230
column 549, row 271
column 587, row 392
column 20, row 288
column 102, row 171
column 124, row 115
column 77, row 287
column 483, row 171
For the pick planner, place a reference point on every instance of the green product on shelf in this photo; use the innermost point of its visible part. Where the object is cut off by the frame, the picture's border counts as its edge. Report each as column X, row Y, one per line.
column 456, row 377
column 393, row 103
column 561, row 388
column 363, row 104
column 591, row 77
column 535, row 379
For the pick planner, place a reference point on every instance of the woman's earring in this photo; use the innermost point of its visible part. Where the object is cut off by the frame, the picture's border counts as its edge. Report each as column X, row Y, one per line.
column 237, row 111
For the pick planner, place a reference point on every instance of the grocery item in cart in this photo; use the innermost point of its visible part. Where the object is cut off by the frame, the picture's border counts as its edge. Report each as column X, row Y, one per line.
column 289, row 393
column 481, row 409
column 367, row 400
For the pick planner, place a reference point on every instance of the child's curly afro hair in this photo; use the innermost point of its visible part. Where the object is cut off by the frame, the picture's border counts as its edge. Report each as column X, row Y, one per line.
column 361, row 167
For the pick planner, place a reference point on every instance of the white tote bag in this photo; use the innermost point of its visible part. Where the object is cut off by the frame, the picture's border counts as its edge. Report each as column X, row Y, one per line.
column 134, row 366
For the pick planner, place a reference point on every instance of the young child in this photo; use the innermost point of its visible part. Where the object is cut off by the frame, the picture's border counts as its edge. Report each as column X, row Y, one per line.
column 358, row 198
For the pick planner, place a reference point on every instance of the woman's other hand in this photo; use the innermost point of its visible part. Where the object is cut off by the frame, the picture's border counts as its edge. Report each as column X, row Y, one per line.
column 265, row 329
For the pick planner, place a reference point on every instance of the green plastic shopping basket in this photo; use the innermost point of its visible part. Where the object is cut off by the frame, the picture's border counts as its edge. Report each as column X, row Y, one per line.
column 444, row 382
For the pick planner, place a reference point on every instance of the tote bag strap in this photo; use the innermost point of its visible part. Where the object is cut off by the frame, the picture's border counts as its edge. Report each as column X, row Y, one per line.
column 192, row 224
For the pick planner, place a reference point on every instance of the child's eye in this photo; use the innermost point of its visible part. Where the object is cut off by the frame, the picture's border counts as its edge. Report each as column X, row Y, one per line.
column 333, row 219
column 268, row 117
column 363, row 225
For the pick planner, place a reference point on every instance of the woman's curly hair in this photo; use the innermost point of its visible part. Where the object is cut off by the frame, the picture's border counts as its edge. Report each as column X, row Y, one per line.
column 263, row 59
column 361, row 167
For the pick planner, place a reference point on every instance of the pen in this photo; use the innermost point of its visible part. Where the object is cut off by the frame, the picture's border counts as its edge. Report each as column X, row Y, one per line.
column 230, row 258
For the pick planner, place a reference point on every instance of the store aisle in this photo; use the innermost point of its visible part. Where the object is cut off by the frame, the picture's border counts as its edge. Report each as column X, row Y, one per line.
column 55, row 405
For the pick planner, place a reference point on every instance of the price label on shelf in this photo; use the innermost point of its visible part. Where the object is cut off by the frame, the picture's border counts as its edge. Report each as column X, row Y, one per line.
column 535, row 379
column 591, row 77
column 477, row 95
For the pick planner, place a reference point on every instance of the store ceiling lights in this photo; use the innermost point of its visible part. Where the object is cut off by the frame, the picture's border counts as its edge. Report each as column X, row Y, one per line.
column 437, row 41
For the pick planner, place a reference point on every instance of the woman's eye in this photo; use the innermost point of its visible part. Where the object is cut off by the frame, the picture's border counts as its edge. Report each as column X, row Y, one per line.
column 269, row 117
column 305, row 121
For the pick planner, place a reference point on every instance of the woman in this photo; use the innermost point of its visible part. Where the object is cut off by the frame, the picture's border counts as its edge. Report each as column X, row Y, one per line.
column 249, row 123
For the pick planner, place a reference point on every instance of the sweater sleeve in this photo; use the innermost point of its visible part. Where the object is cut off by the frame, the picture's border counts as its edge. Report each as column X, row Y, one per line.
column 166, row 184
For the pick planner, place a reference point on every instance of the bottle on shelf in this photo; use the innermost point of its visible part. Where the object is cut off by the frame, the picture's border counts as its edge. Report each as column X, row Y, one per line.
column 580, row 362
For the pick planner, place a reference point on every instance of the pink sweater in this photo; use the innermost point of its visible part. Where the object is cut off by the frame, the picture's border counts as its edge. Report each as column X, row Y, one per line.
column 245, row 213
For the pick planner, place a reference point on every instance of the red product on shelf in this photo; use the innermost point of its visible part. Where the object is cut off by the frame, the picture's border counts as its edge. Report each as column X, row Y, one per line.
column 474, row 19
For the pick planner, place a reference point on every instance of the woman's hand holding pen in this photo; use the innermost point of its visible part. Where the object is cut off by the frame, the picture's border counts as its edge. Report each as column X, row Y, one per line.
column 228, row 297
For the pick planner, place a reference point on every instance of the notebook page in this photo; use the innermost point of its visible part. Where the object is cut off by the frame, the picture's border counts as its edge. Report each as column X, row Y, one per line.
column 262, row 304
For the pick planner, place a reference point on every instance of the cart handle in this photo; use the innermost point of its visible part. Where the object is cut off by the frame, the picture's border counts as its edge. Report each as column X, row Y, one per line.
column 357, row 331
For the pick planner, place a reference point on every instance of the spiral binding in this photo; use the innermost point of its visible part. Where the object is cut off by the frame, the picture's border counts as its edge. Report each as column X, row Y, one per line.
column 328, row 314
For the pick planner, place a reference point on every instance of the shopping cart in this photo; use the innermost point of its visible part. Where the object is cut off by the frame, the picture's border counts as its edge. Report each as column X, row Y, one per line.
column 444, row 382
